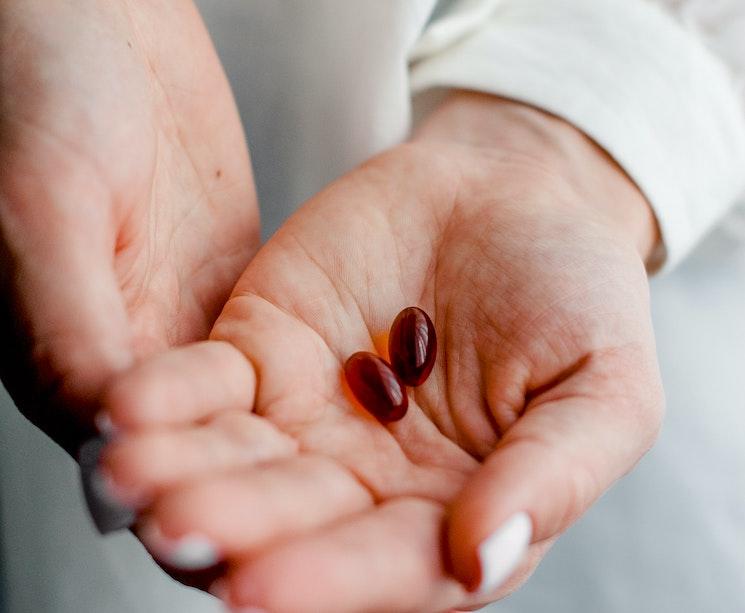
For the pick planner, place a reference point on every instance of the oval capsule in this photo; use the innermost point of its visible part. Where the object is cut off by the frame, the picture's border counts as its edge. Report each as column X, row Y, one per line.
column 412, row 346
column 376, row 386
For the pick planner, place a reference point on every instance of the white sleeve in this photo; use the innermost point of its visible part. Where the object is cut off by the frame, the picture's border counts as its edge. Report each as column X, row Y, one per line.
column 721, row 25
column 627, row 74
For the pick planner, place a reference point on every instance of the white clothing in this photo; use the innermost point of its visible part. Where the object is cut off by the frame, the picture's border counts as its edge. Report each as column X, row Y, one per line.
column 323, row 85
column 626, row 74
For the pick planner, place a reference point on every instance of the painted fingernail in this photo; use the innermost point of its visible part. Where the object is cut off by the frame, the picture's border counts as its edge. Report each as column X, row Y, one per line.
column 502, row 551
column 104, row 425
column 188, row 552
column 107, row 510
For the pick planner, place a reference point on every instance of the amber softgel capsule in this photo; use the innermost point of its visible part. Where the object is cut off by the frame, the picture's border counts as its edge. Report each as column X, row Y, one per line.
column 412, row 346
column 376, row 386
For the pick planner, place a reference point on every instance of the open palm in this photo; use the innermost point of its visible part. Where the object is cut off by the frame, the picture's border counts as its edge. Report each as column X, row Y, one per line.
column 544, row 392
column 127, row 206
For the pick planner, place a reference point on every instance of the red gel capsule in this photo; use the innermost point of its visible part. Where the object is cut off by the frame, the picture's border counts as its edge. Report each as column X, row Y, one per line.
column 412, row 346
column 376, row 386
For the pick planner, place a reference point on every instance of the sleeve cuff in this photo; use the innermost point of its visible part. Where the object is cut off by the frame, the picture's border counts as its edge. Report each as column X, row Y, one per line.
column 623, row 72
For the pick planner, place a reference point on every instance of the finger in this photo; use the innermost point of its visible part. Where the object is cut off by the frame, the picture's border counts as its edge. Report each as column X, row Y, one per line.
column 269, row 570
column 179, row 387
column 548, row 469
column 535, row 554
column 533, row 557
column 68, row 324
column 386, row 559
column 106, row 511
column 245, row 510
column 140, row 465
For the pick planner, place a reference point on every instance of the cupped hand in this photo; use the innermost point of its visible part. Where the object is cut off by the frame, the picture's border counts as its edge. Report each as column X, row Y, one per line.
column 127, row 207
column 525, row 244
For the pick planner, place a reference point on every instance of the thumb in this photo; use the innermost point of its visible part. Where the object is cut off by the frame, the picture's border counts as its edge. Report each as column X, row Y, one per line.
column 65, row 326
column 549, row 467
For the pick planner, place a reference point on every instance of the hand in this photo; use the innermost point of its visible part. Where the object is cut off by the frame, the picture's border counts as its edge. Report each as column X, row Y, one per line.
column 127, row 208
column 525, row 243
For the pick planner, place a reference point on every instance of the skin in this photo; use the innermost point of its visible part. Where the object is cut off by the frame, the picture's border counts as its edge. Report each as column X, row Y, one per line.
column 526, row 245
column 127, row 207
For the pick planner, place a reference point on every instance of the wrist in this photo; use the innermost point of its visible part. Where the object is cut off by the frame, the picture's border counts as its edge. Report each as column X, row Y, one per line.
column 510, row 128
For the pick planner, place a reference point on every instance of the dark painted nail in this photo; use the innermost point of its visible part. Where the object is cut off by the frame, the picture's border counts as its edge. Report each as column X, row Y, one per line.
column 108, row 514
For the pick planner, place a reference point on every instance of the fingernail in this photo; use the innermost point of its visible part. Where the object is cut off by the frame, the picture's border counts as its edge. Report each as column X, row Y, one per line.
column 502, row 551
column 189, row 552
column 104, row 425
column 106, row 509
column 219, row 589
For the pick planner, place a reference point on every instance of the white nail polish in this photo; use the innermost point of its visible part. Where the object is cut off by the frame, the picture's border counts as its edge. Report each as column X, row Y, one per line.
column 104, row 425
column 502, row 551
column 189, row 552
column 193, row 552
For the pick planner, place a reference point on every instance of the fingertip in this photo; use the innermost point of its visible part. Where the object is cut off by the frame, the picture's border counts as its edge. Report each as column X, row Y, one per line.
column 501, row 552
column 188, row 552
column 490, row 525
column 220, row 589
column 181, row 386
column 131, row 468
column 261, row 585
column 129, row 402
column 105, row 425
column 108, row 512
